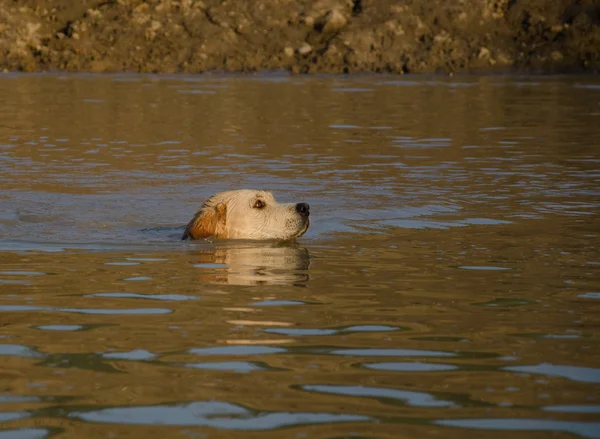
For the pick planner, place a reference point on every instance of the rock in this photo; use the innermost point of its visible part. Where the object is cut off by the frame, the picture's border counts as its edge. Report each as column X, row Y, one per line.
column 332, row 51
column 394, row 27
column 309, row 21
column 442, row 37
column 484, row 53
column 504, row 59
column 332, row 21
column 556, row 56
column 288, row 51
column 305, row 49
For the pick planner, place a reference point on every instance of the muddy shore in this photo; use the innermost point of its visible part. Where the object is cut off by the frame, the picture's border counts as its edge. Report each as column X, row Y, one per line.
column 321, row 36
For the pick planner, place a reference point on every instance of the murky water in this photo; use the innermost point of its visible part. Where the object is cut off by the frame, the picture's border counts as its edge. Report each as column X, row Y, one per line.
column 449, row 285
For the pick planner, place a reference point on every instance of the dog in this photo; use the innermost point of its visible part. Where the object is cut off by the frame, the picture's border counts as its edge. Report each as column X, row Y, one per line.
column 248, row 214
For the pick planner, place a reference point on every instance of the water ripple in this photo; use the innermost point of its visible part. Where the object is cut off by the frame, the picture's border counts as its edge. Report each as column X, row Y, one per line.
column 215, row 414
column 585, row 429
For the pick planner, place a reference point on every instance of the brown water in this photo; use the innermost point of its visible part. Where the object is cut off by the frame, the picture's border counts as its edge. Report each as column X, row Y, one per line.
column 449, row 285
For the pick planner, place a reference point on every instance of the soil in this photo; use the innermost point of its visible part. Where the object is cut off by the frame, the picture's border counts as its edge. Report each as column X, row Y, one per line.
column 300, row 36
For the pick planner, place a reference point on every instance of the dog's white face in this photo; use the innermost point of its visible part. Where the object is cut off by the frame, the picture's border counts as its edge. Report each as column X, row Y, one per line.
column 248, row 214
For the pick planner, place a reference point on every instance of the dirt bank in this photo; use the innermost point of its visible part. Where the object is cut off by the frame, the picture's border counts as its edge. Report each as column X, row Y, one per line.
column 334, row 36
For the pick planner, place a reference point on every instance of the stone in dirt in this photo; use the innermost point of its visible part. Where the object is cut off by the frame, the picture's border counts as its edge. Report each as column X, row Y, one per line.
column 333, row 21
column 305, row 49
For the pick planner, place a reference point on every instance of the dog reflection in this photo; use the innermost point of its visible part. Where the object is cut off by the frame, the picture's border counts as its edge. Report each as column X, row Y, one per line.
column 254, row 265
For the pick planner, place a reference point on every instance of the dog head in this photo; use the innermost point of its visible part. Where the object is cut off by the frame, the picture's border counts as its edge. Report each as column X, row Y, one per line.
column 248, row 214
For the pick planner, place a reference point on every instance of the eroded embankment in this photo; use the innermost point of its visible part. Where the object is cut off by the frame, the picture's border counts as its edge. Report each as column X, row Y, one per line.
column 331, row 36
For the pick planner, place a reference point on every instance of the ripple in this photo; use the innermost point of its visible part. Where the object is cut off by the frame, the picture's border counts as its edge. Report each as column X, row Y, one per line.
column 215, row 414
column 197, row 92
column 410, row 367
column 372, row 328
column 485, row 221
column 415, row 399
column 15, row 350
column 15, row 399
column 483, row 267
column 585, row 429
column 505, row 302
column 590, row 295
column 374, row 352
column 279, row 303
column 148, row 311
column 168, row 297
column 420, row 224
column 24, row 433
column 22, row 308
column 11, row 416
column 300, row 332
column 210, row 266
column 344, row 127
column 131, row 311
column 147, row 259
column 572, row 408
column 588, row 86
column 237, row 350
column 557, row 336
column 231, row 366
column 575, row 373
column 136, row 354
column 60, row 327
column 352, row 90
column 402, row 83
column 22, row 273
column 321, row 331
column 122, row 263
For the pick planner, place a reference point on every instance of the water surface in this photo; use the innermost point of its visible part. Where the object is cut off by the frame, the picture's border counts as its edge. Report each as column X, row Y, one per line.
column 448, row 286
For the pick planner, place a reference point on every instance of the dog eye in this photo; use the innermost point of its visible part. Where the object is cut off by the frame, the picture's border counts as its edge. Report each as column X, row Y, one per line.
column 259, row 204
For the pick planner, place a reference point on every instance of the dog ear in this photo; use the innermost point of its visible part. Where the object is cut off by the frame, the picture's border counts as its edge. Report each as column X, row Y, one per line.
column 209, row 221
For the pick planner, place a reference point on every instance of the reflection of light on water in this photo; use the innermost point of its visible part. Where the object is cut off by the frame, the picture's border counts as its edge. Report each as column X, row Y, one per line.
column 167, row 297
column 240, row 309
column 585, row 429
column 575, row 373
column 215, row 414
column 256, row 342
column 136, row 354
column 278, row 303
column 60, row 327
column 373, row 352
column 233, row 366
column 258, row 323
column 410, row 367
column 323, row 331
column 245, row 348
column 415, row 399
column 13, row 350
column 116, row 311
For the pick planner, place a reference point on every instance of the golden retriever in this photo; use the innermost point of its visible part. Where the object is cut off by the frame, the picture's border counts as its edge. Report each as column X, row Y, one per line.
column 248, row 214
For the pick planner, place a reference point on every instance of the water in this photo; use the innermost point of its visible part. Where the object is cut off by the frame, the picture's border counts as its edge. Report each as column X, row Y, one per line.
column 448, row 286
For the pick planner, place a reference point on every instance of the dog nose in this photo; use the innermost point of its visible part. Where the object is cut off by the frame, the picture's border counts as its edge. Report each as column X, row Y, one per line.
column 303, row 209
